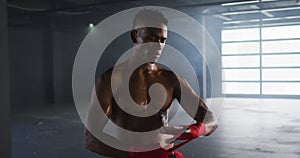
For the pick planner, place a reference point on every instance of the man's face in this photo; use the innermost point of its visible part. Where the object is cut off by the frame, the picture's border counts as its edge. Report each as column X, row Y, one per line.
column 150, row 42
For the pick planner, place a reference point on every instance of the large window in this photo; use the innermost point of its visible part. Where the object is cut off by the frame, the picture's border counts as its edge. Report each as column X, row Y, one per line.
column 262, row 60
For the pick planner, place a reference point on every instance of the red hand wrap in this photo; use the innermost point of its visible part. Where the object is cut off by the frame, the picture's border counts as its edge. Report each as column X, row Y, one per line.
column 196, row 130
column 178, row 154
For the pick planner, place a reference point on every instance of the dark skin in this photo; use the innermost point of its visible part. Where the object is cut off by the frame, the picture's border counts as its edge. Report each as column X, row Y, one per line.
column 140, row 81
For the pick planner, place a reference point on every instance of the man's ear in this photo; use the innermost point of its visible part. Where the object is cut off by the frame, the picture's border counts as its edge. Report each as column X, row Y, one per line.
column 133, row 35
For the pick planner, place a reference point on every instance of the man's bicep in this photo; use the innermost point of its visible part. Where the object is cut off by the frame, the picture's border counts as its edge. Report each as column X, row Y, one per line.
column 100, row 107
column 99, row 111
column 98, row 114
column 103, row 94
column 101, row 100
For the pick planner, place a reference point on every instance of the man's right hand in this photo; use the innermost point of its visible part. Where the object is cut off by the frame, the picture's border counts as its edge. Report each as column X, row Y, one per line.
column 184, row 132
column 193, row 131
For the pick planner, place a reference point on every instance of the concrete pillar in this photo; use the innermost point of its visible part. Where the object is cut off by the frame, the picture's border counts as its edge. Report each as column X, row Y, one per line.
column 48, row 66
column 5, row 138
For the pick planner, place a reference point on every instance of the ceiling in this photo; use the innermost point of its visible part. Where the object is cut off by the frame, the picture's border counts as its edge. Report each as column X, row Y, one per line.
column 258, row 13
column 70, row 13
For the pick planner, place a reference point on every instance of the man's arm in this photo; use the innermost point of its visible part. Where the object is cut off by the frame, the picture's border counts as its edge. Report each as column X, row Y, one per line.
column 96, row 120
column 190, row 100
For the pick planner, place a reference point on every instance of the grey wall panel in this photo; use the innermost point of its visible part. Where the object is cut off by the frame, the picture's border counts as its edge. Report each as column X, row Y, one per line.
column 27, row 73
column 5, row 140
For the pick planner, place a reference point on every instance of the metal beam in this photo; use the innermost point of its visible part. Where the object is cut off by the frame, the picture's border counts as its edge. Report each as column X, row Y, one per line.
column 107, row 3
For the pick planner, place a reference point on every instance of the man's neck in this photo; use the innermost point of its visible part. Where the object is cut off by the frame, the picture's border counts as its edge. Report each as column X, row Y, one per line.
column 135, row 63
column 151, row 66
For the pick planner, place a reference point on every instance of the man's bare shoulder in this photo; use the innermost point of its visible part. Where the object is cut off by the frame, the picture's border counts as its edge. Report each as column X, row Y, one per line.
column 113, row 74
column 104, row 77
column 167, row 73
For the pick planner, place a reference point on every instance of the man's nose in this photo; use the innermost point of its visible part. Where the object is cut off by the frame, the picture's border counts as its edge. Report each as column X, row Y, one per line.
column 159, row 46
column 161, row 41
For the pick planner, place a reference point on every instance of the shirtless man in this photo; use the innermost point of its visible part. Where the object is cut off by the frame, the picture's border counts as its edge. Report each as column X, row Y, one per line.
column 148, row 44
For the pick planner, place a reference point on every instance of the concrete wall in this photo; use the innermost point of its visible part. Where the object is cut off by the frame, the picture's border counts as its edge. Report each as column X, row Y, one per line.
column 65, row 46
column 42, row 60
column 26, row 52
column 214, row 72
column 214, row 59
column 5, row 141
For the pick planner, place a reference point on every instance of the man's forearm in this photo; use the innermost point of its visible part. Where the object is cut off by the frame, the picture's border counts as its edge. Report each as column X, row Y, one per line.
column 201, row 111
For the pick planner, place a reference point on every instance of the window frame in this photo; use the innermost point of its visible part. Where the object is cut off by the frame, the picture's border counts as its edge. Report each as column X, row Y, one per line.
column 260, row 67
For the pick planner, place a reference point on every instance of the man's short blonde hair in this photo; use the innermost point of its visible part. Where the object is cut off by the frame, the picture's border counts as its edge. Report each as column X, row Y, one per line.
column 149, row 18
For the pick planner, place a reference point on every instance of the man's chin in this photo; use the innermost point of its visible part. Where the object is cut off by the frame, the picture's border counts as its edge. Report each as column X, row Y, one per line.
column 153, row 60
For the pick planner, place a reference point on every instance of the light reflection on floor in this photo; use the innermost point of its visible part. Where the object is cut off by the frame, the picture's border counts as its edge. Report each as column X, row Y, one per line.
column 248, row 128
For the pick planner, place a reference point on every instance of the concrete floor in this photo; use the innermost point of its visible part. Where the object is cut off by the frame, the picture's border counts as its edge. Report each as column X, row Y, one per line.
column 249, row 128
